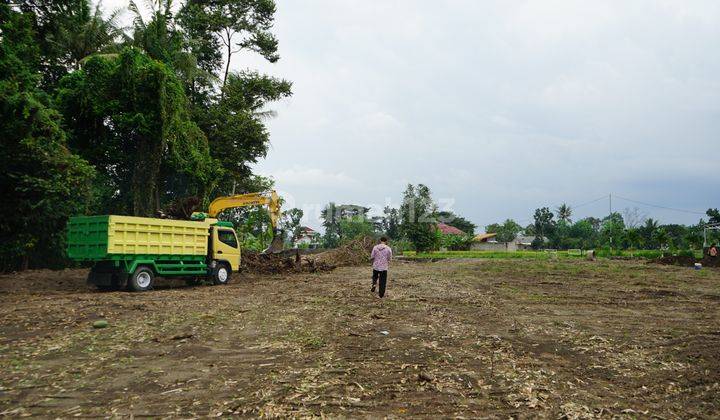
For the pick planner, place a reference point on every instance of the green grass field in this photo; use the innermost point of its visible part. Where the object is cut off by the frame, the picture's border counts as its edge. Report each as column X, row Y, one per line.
column 542, row 255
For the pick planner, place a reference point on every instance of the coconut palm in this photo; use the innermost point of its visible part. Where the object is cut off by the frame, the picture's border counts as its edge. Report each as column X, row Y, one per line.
column 564, row 212
column 85, row 32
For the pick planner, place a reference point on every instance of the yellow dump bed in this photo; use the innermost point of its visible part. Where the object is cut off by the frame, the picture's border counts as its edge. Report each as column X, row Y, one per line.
column 100, row 237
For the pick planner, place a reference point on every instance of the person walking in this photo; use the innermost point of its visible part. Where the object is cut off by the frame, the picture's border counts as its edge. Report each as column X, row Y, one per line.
column 381, row 255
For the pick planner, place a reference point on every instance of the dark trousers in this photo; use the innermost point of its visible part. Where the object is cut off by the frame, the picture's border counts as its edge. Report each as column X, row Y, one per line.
column 383, row 280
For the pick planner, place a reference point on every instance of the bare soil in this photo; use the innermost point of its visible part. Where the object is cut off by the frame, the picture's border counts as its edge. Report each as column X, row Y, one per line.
column 469, row 338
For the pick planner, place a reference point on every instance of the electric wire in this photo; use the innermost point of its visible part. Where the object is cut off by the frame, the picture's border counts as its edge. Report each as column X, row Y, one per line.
column 660, row 207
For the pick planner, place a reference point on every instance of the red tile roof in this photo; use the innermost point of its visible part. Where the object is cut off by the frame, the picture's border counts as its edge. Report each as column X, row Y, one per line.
column 449, row 230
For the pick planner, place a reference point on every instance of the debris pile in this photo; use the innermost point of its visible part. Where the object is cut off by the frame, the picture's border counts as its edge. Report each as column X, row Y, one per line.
column 681, row 260
column 709, row 261
column 352, row 253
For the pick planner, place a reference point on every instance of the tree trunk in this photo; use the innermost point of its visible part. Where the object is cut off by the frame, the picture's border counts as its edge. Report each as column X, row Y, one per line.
column 145, row 175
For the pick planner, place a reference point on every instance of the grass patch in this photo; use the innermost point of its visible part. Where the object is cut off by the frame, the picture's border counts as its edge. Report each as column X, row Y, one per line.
column 537, row 255
column 649, row 254
column 307, row 340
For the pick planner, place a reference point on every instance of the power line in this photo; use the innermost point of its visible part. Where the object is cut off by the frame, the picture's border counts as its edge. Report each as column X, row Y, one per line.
column 589, row 202
column 660, row 207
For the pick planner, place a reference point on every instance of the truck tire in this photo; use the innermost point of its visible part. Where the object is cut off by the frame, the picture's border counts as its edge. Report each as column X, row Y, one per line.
column 142, row 279
column 221, row 274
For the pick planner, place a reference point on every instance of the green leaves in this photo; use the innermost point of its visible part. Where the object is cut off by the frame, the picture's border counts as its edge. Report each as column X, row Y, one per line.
column 42, row 181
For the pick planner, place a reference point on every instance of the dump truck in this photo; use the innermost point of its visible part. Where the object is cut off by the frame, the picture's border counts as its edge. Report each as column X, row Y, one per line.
column 131, row 251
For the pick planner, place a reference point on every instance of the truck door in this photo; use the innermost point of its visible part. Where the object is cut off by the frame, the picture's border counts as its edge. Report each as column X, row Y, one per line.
column 226, row 247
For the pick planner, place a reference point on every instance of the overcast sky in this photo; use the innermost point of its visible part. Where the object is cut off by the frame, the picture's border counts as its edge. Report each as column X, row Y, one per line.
column 500, row 107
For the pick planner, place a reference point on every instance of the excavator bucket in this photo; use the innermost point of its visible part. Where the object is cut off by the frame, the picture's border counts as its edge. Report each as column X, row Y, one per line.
column 276, row 245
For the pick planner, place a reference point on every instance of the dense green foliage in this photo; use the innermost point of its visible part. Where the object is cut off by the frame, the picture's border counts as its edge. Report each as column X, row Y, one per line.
column 42, row 182
column 418, row 217
column 506, row 232
column 610, row 232
column 97, row 120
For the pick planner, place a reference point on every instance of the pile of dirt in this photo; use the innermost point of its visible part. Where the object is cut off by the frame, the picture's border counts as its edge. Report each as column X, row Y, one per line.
column 352, row 253
column 682, row 260
column 709, row 261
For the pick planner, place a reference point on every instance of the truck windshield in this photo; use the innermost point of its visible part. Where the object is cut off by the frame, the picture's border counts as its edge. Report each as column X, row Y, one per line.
column 227, row 237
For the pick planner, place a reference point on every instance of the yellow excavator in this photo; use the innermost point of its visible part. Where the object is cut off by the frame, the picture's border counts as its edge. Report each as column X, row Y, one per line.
column 270, row 199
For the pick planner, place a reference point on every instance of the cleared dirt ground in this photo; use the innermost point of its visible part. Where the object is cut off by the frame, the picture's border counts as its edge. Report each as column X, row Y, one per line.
column 481, row 338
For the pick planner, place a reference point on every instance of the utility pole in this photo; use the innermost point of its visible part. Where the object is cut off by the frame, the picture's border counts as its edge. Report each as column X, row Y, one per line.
column 610, row 216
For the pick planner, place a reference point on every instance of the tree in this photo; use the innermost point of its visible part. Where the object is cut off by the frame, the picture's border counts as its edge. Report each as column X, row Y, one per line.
column 647, row 231
column 128, row 116
column 584, row 233
column 417, row 215
column 633, row 217
column 234, row 127
column 353, row 228
column 42, row 181
column 714, row 215
column 506, row 232
column 564, row 212
column 331, row 223
column 232, row 25
column 290, row 223
column 390, row 222
column 333, row 217
column 452, row 219
column 83, row 32
column 612, row 230
column 544, row 222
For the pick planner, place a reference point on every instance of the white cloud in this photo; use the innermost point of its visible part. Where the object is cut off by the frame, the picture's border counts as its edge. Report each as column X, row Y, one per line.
column 311, row 177
column 504, row 106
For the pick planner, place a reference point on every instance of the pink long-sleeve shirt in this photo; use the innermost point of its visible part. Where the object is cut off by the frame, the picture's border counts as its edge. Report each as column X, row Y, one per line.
column 381, row 255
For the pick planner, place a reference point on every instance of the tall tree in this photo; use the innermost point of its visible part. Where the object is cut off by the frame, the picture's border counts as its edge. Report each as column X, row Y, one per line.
column 564, row 212
column 544, row 222
column 234, row 125
column 390, row 223
column 42, row 182
column 418, row 217
column 506, row 232
column 128, row 116
column 331, row 223
column 714, row 215
column 290, row 223
column 232, row 25
column 85, row 31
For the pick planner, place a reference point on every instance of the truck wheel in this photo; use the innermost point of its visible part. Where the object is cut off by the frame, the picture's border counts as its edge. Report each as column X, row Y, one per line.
column 221, row 274
column 142, row 279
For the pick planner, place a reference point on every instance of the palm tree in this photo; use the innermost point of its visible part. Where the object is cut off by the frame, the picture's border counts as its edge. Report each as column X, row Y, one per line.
column 87, row 32
column 564, row 212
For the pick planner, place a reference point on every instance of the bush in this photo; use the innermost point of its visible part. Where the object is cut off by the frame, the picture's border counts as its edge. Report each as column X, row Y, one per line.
column 456, row 242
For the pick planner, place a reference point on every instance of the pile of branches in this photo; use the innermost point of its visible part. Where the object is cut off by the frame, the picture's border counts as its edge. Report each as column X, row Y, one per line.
column 355, row 252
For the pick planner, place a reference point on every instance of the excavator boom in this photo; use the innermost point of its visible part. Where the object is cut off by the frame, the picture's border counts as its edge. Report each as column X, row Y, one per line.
column 272, row 200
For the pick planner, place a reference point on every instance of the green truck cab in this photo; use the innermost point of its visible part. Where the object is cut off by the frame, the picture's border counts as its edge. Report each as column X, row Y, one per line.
column 131, row 251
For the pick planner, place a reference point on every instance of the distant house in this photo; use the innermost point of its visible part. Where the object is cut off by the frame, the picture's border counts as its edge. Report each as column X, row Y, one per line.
column 525, row 241
column 487, row 242
column 308, row 237
column 449, row 230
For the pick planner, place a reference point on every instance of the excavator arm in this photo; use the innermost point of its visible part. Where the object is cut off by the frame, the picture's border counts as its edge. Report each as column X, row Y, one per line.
column 272, row 200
